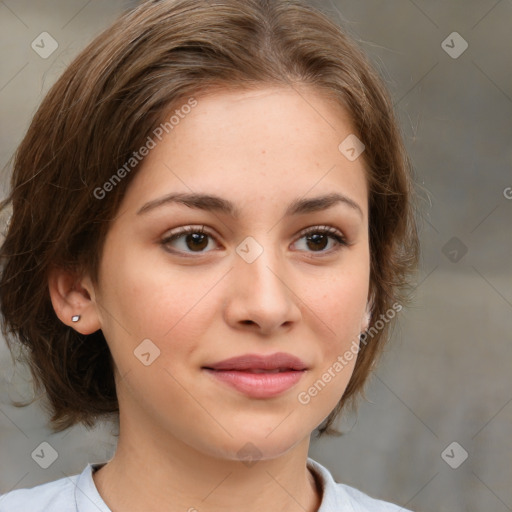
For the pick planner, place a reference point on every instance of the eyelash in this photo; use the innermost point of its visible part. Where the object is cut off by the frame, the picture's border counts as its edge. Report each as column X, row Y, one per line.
column 332, row 233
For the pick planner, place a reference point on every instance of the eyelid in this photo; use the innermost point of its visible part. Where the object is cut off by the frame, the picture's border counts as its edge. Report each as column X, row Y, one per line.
column 323, row 228
column 185, row 230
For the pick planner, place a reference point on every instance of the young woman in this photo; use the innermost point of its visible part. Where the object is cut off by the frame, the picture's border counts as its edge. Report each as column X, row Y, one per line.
column 211, row 233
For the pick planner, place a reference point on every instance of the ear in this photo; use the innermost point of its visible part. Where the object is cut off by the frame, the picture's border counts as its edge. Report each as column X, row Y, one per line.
column 73, row 295
column 367, row 315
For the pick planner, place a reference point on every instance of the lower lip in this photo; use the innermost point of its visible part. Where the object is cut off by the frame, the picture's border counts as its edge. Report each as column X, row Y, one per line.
column 258, row 385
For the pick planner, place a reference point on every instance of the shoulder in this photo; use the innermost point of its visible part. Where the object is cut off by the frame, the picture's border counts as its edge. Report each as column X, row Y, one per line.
column 53, row 496
column 77, row 492
column 338, row 496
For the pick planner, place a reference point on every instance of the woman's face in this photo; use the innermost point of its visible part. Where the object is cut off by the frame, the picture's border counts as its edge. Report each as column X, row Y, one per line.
column 261, row 279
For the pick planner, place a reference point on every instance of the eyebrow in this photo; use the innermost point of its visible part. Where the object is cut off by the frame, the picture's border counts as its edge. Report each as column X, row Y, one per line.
column 218, row 204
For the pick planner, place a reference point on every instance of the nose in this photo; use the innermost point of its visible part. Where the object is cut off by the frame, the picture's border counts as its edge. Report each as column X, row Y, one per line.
column 260, row 295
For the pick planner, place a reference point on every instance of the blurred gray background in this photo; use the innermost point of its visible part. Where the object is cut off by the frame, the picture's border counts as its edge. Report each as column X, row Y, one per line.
column 443, row 390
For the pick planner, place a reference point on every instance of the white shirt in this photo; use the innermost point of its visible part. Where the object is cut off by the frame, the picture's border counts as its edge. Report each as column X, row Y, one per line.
column 78, row 493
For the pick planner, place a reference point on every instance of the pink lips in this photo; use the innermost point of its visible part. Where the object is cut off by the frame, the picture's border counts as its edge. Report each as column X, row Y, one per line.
column 259, row 376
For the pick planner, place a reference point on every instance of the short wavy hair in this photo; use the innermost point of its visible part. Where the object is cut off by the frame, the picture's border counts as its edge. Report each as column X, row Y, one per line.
column 105, row 106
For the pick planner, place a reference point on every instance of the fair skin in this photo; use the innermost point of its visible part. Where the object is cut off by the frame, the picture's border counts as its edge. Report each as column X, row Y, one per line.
column 201, row 302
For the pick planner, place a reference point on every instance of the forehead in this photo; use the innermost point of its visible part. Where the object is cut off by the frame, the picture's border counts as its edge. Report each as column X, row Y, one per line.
column 249, row 143
column 270, row 116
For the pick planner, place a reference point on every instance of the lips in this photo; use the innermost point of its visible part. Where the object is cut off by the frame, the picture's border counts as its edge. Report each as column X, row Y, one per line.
column 258, row 376
column 255, row 363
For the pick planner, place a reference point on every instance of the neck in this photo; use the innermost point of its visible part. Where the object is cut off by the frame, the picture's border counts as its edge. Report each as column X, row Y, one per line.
column 150, row 473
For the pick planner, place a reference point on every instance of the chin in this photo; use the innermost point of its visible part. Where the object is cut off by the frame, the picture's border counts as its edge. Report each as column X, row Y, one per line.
column 252, row 444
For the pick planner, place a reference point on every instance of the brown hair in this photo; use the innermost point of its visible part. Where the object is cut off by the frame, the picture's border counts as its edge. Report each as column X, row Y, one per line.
column 105, row 106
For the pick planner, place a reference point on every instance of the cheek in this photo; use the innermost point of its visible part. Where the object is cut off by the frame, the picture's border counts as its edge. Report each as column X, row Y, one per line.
column 170, row 308
column 336, row 309
column 339, row 303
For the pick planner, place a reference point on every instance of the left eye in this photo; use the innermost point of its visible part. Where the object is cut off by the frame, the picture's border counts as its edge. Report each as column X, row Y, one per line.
column 318, row 237
column 196, row 239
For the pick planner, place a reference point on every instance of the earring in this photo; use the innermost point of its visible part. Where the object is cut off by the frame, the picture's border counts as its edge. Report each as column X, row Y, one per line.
column 75, row 318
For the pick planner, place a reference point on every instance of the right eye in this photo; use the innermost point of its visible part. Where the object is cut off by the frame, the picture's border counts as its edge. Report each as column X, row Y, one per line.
column 192, row 239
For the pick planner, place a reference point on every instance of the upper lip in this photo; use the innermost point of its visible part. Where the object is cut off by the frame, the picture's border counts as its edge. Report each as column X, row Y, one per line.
column 278, row 361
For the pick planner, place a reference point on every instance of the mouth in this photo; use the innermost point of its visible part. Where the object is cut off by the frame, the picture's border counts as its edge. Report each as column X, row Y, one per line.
column 258, row 370
column 258, row 376
column 278, row 362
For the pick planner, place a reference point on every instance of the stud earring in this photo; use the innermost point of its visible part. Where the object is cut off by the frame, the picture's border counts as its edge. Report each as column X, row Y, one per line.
column 75, row 318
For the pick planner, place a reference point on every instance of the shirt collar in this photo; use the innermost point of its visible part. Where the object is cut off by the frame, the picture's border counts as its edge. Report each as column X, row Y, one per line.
column 333, row 496
column 88, row 499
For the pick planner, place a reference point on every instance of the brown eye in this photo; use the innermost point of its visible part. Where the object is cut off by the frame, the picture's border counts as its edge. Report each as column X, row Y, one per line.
column 191, row 239
column 318, row 238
